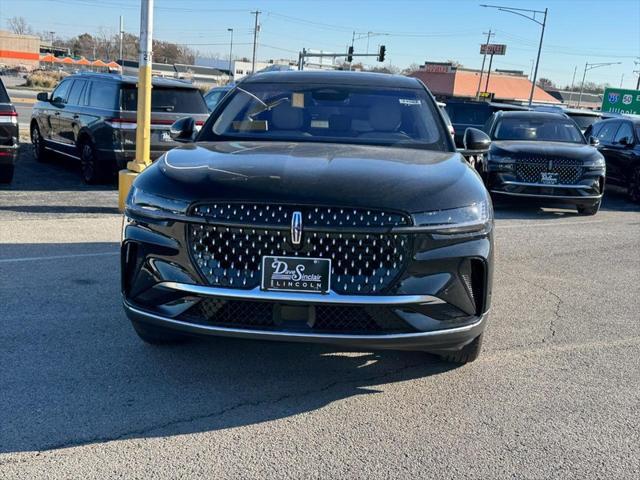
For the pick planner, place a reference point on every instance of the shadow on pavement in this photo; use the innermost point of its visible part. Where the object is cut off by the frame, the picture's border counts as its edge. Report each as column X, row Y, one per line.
column 57, row 173
column 75, row 373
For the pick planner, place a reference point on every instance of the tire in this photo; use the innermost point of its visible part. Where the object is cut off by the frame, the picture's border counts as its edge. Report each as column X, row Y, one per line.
column 93, row 171
column 589, row 209
column 155, row 335
column 633, row 190
column 6, row 173
column 467, row 354
column 39, row 152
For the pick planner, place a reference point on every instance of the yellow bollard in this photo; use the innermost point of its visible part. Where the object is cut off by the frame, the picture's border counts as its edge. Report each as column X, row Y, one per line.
column 143, row 120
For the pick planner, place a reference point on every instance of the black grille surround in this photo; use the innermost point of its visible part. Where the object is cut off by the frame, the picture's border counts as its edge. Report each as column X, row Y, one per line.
column 366, row 257
column 318, row 318
column 529, row 169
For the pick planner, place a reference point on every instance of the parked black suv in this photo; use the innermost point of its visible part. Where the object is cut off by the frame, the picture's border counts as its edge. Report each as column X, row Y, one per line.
column 544, row 156
column 92, row 117
column 8, row 136
column 314, row 206
column 470, row 113
column 620, row 145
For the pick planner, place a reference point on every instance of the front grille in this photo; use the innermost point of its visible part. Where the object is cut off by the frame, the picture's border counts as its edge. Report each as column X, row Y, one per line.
column 361, row 263
column 270, row 215
column 530, row 169
column 318, row 318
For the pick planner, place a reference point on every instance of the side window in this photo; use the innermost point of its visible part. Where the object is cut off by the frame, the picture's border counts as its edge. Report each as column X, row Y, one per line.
column 608, row 129
column 625, row 131
column 104, row 95
column 59, row 95
column 76, row 92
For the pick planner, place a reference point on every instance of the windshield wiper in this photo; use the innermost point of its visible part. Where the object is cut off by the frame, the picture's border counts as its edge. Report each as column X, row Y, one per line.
column 264, row 107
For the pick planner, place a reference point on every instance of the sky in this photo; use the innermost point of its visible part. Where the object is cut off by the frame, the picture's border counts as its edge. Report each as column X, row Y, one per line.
column 413, row 31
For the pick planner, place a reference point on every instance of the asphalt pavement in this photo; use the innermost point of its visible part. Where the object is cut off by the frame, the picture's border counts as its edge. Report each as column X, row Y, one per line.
column 555, row 393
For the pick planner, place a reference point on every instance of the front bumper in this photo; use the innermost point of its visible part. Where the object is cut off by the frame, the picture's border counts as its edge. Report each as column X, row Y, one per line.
column 587, row 190
column 439, row 302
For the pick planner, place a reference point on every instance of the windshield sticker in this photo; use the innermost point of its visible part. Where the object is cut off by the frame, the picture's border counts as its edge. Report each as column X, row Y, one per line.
column 409, row 101
column 297, row 100
column 251, row 126
column 319, row 123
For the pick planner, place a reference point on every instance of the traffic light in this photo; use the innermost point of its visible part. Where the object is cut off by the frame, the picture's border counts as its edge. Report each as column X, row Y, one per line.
column 350, row 55
column 381, row 53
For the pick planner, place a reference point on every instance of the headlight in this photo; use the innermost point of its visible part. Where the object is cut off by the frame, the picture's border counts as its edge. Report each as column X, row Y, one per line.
column 477, row 217
column 140, row 199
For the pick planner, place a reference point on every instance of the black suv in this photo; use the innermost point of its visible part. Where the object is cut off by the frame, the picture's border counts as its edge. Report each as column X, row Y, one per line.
column 92, row 117
column 544, row 156
column 470, row 113
column 8, row 136
column 314, row 206
column 620, row 145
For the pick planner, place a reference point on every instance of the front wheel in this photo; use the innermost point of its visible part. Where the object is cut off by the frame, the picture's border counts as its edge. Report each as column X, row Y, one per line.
column 467, row 354
column 39, row 152
column 633, row 190
column 589, row 209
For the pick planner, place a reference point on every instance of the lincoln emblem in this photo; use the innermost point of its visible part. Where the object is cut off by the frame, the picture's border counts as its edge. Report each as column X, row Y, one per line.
column 296, row 228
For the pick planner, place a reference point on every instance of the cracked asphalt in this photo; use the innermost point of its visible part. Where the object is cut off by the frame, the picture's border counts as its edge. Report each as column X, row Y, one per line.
column 555, row 393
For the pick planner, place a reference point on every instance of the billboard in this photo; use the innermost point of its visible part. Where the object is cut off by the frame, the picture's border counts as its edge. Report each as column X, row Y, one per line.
column 619, row 100
column 493, row 48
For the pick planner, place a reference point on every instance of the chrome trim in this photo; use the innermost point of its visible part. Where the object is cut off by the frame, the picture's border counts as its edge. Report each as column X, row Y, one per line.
column 559, row 197
column 319, row 336
column 301, row 297
column 542, row 185
column 61, row 152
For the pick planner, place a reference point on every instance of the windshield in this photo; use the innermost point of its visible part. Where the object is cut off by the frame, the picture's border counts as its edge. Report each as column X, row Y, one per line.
column 584, row 121
column 335, row 113
column 538, row 129
column 170, row 100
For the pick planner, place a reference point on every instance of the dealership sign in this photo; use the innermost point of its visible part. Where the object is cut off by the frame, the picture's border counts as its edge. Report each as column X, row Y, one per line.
column 493, row 48
column 619, row 100
column 437, row 67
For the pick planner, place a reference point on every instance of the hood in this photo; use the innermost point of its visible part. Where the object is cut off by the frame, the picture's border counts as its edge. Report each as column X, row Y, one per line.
column 522, row 149
column 409, row 180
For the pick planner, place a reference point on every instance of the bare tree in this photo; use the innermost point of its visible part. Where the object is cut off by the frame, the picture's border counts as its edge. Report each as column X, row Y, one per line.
column 19, row 26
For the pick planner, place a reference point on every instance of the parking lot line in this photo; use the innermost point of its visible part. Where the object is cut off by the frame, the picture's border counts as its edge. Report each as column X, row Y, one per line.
column 545, row 224
column 56, row 257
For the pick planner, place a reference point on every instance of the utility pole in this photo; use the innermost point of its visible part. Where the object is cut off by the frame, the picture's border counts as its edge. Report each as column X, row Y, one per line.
column 121, row 35
column 484, row 58
column 231, row 73
column 621, row 80
column 143, row 118
column 637, row 72
column 486, row 87
column 255, row 40
column 573, row 80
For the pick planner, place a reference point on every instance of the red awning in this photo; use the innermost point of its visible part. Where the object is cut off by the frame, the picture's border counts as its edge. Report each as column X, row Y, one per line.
column 113, row 64
column 65, row 60
column 48, row 58
column 98, row 63
column 83, row 61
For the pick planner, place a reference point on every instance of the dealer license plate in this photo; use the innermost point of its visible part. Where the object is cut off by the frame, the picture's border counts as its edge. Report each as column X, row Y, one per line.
column 549, row 178
column 295, row 274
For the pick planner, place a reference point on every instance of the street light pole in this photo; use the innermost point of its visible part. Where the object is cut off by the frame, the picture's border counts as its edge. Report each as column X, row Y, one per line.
column 590, row 66
column 231, row 74
column 255, row 41
column 529, row 15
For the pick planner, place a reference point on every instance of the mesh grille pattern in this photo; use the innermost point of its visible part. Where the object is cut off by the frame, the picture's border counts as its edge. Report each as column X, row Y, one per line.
column 261, row 214
column 530, row 169
column 322, row 318
column 360, row 263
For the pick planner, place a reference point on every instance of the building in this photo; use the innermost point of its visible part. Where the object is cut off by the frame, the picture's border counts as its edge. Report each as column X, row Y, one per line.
column 193, row 73
column 447, row 81
column 241, row 68
column 19, row 51
column 570, row 99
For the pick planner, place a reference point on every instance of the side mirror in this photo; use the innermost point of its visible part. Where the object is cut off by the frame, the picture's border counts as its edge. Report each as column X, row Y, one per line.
column 625, row 142
column 593, row 141
column 182, row 130
column 42, row 97
column 476, row 140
